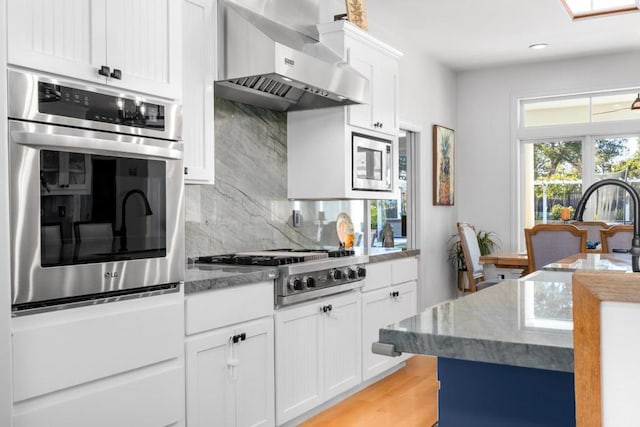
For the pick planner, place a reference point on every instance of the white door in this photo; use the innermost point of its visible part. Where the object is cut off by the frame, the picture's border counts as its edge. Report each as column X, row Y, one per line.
column 403, row 306
column 209, row 382
column 342, row 344
column 376, row 314
column 255, row 374
column 198, row 74
column 144, row 43
column 360, row 57
column 299, row 382
column 58, row 36
column 385, row 95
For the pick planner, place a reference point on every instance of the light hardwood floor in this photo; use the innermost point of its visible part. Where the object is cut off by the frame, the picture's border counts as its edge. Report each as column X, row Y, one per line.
column 407, row 398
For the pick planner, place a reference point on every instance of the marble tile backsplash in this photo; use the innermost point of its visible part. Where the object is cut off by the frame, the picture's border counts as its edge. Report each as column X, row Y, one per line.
column 247, row 208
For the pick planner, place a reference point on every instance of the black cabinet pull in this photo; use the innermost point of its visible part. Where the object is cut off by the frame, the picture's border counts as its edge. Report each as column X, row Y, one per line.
column 239, row 337
column 186, row 170
column 117, row 74
column 104, row 71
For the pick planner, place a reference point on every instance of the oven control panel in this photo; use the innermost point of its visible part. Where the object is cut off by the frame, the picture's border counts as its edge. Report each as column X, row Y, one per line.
column 298, row 287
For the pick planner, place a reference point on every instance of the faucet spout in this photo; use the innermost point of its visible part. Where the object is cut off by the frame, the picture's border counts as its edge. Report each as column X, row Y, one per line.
column 635, row 243
column 123, row 226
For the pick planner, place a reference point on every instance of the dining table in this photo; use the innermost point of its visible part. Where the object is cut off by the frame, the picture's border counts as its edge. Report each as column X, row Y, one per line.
column 507, row 259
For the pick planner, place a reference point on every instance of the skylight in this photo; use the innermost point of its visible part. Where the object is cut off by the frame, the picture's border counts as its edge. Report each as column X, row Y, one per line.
column 589, row 8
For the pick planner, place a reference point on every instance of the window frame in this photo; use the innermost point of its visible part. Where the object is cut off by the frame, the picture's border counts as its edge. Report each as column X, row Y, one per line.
column 587, row 132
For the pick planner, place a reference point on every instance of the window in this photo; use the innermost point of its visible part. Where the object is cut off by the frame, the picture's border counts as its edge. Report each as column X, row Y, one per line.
column 602, row 107
column 588, row 8
column 568, row 143
column 397, row 212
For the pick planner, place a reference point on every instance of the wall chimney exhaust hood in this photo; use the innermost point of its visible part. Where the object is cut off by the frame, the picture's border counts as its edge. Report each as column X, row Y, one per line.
column 268, row 64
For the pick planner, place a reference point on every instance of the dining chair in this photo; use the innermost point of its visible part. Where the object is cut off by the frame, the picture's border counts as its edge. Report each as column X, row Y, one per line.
column 547, row 243
column 593, row 229
column 617, row 238
column 471, row 251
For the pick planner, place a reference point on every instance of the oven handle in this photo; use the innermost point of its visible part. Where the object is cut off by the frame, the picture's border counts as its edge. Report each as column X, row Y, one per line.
column 96, row 145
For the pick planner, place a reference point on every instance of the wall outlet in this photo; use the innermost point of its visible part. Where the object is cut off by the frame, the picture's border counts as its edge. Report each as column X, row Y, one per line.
column 296, row 218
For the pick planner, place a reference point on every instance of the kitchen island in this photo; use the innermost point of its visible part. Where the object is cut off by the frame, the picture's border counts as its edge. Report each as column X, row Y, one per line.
column 505, row 354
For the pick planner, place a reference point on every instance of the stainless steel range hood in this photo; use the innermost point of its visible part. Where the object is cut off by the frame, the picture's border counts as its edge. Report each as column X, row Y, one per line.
column 265, row 63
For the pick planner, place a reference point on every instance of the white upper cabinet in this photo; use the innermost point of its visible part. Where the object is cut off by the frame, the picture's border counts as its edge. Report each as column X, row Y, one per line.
column 323, row 137
column 134, row 45
column 379, row 63
column 198, row 74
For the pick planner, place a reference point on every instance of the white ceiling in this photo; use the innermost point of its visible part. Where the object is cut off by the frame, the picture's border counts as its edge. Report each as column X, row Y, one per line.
column 468, row 34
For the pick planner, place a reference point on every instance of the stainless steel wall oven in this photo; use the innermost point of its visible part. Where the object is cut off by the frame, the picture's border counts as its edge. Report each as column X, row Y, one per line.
column 95, row 193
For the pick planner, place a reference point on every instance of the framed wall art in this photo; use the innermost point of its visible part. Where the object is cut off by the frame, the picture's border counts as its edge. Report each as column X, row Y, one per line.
column 356, row 13
column 443, row 166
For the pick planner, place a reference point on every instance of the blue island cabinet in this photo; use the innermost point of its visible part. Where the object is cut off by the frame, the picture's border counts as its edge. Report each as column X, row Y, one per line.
column 483, row 394
column 505, row 354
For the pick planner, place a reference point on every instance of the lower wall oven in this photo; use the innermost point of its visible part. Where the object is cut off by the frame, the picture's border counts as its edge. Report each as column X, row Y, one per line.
column 96, row 193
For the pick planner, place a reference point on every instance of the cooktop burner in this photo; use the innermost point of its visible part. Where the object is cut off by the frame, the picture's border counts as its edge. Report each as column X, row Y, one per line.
column 275, row 257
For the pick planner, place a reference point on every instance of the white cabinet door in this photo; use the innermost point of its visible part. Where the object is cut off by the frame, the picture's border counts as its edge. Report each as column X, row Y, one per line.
column 198, row 73
column 76, row 38
column 299, row 379
column 255, row 381
column 143, row 40
column 231, row 382
column 208, row 379
column 380, row 114
column 341, row 344
column 376, row 314
column 403, row 306
column 58, row 36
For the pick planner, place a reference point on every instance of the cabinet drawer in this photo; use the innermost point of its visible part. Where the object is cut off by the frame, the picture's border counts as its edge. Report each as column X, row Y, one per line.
column 217, row 308
column 150, row 399
column 53, row 351
column 404, row 270
column 378, row 276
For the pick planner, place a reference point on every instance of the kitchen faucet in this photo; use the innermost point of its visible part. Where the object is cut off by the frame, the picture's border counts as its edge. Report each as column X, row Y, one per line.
column 635, row 243
column 123, row 227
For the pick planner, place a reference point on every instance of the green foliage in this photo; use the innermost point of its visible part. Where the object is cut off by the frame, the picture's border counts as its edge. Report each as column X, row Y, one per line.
column 487, row 241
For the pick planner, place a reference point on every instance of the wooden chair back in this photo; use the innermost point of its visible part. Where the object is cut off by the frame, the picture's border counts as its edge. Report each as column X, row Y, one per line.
column 616, row 237
column 547, row 243
column 593, row 229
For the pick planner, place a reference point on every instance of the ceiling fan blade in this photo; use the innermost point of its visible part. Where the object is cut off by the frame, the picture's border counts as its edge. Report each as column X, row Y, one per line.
column 611, row 111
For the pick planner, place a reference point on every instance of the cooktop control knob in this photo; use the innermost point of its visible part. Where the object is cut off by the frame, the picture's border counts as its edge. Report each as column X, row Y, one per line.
column 350, row 273
column 295, row 284
column 362, row 272
column 335, row 274
column 310, row 282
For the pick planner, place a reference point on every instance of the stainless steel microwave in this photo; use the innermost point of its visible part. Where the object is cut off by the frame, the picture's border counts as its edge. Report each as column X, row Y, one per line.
column 372, row 163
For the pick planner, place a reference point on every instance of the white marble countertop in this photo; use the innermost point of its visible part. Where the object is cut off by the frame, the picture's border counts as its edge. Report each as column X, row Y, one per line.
column 203, row 277
column 516, row 322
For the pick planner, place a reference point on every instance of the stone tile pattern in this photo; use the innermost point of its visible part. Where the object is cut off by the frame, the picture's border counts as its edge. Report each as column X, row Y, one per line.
column 247, row 208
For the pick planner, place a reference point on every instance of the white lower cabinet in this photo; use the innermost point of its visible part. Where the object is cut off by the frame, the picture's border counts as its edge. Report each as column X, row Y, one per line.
column 318, row 353
column 389, row 296
column 114, row 364
column 229, row 355
column 231, row 383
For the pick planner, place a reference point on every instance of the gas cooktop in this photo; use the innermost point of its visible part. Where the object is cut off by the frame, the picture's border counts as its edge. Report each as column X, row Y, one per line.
column 276, row 257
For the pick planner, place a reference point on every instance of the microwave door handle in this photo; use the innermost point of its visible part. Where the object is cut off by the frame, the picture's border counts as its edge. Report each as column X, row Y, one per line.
column 95, row 145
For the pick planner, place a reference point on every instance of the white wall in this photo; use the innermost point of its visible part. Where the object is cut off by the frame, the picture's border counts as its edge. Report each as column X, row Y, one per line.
column 5, row 278
column 620, row 348
column 427, row 97
column 486, row 157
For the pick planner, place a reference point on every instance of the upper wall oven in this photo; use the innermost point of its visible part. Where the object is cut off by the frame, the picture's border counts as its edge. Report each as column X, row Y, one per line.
column 95, row 193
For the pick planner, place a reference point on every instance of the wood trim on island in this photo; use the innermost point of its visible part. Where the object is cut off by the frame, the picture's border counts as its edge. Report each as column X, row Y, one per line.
column 589, row 290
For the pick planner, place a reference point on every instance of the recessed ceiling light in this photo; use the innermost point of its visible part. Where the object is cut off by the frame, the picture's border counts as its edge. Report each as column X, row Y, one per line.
column 286, row 79
column 538, row 46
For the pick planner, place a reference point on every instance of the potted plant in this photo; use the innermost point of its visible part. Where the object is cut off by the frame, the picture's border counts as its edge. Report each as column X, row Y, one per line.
column 487, row 241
